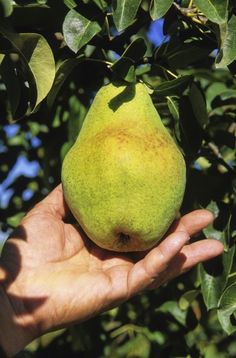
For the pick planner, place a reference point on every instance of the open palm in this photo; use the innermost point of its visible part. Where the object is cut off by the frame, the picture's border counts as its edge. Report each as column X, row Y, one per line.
column 54, row 275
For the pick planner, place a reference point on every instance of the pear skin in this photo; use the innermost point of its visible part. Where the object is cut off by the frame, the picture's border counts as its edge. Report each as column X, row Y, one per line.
column 124, row 178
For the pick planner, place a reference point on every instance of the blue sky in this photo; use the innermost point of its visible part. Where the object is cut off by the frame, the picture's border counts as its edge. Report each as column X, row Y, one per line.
column 155, row 33
column 21, row 167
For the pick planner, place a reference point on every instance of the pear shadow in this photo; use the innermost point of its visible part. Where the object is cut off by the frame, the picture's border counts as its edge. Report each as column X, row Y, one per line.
column 125, row 96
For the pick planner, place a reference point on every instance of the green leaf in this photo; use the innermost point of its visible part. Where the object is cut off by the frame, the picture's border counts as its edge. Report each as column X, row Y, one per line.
column 37, row 61
column 14, row 220
column 138, row 346
column 227, row 240
column 159, row 8
column 124, row 12
column 210, row 231
column 173, row 107
column 189, row 129
column 78, row 30
column 214, row 274
column 6, row 8
column 198, row 104
column 70, row 3
column 227, row 94
column 47, row 338
column 174, row 310
column 213, row 208
column 187, row 53
column 77, row 114
column 214, row 10
column 40, row 59
column 102, row 4
column 227, row 307
column 136, row 50
column 124, row 67
column 174, row 87
column 187, row 298
column 62, row 74
column 228, row 43
column 12, row 83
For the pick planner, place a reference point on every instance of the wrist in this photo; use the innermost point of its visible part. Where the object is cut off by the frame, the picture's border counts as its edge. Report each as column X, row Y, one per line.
column 13, row 336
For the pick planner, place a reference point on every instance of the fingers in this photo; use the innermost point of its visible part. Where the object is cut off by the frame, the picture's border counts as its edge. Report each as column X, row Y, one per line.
column 157, row 259
column 147, row 270
column 188, row 257
column 193, row 222
column 54, row 203
column 200, row 251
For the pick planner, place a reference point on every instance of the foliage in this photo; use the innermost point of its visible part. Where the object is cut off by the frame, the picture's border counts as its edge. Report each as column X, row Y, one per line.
column 54, row 56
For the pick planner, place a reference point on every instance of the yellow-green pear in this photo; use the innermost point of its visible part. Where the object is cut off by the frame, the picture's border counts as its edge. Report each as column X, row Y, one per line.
column 124, row 178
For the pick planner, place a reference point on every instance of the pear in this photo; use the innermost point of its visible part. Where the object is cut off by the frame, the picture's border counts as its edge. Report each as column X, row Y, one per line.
column 124, row 178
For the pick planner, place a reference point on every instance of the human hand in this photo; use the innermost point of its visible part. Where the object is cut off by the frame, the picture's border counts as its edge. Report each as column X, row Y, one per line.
column 53, row 276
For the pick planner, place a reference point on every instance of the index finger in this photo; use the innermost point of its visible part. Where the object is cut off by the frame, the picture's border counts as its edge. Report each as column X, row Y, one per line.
column 54, row 203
